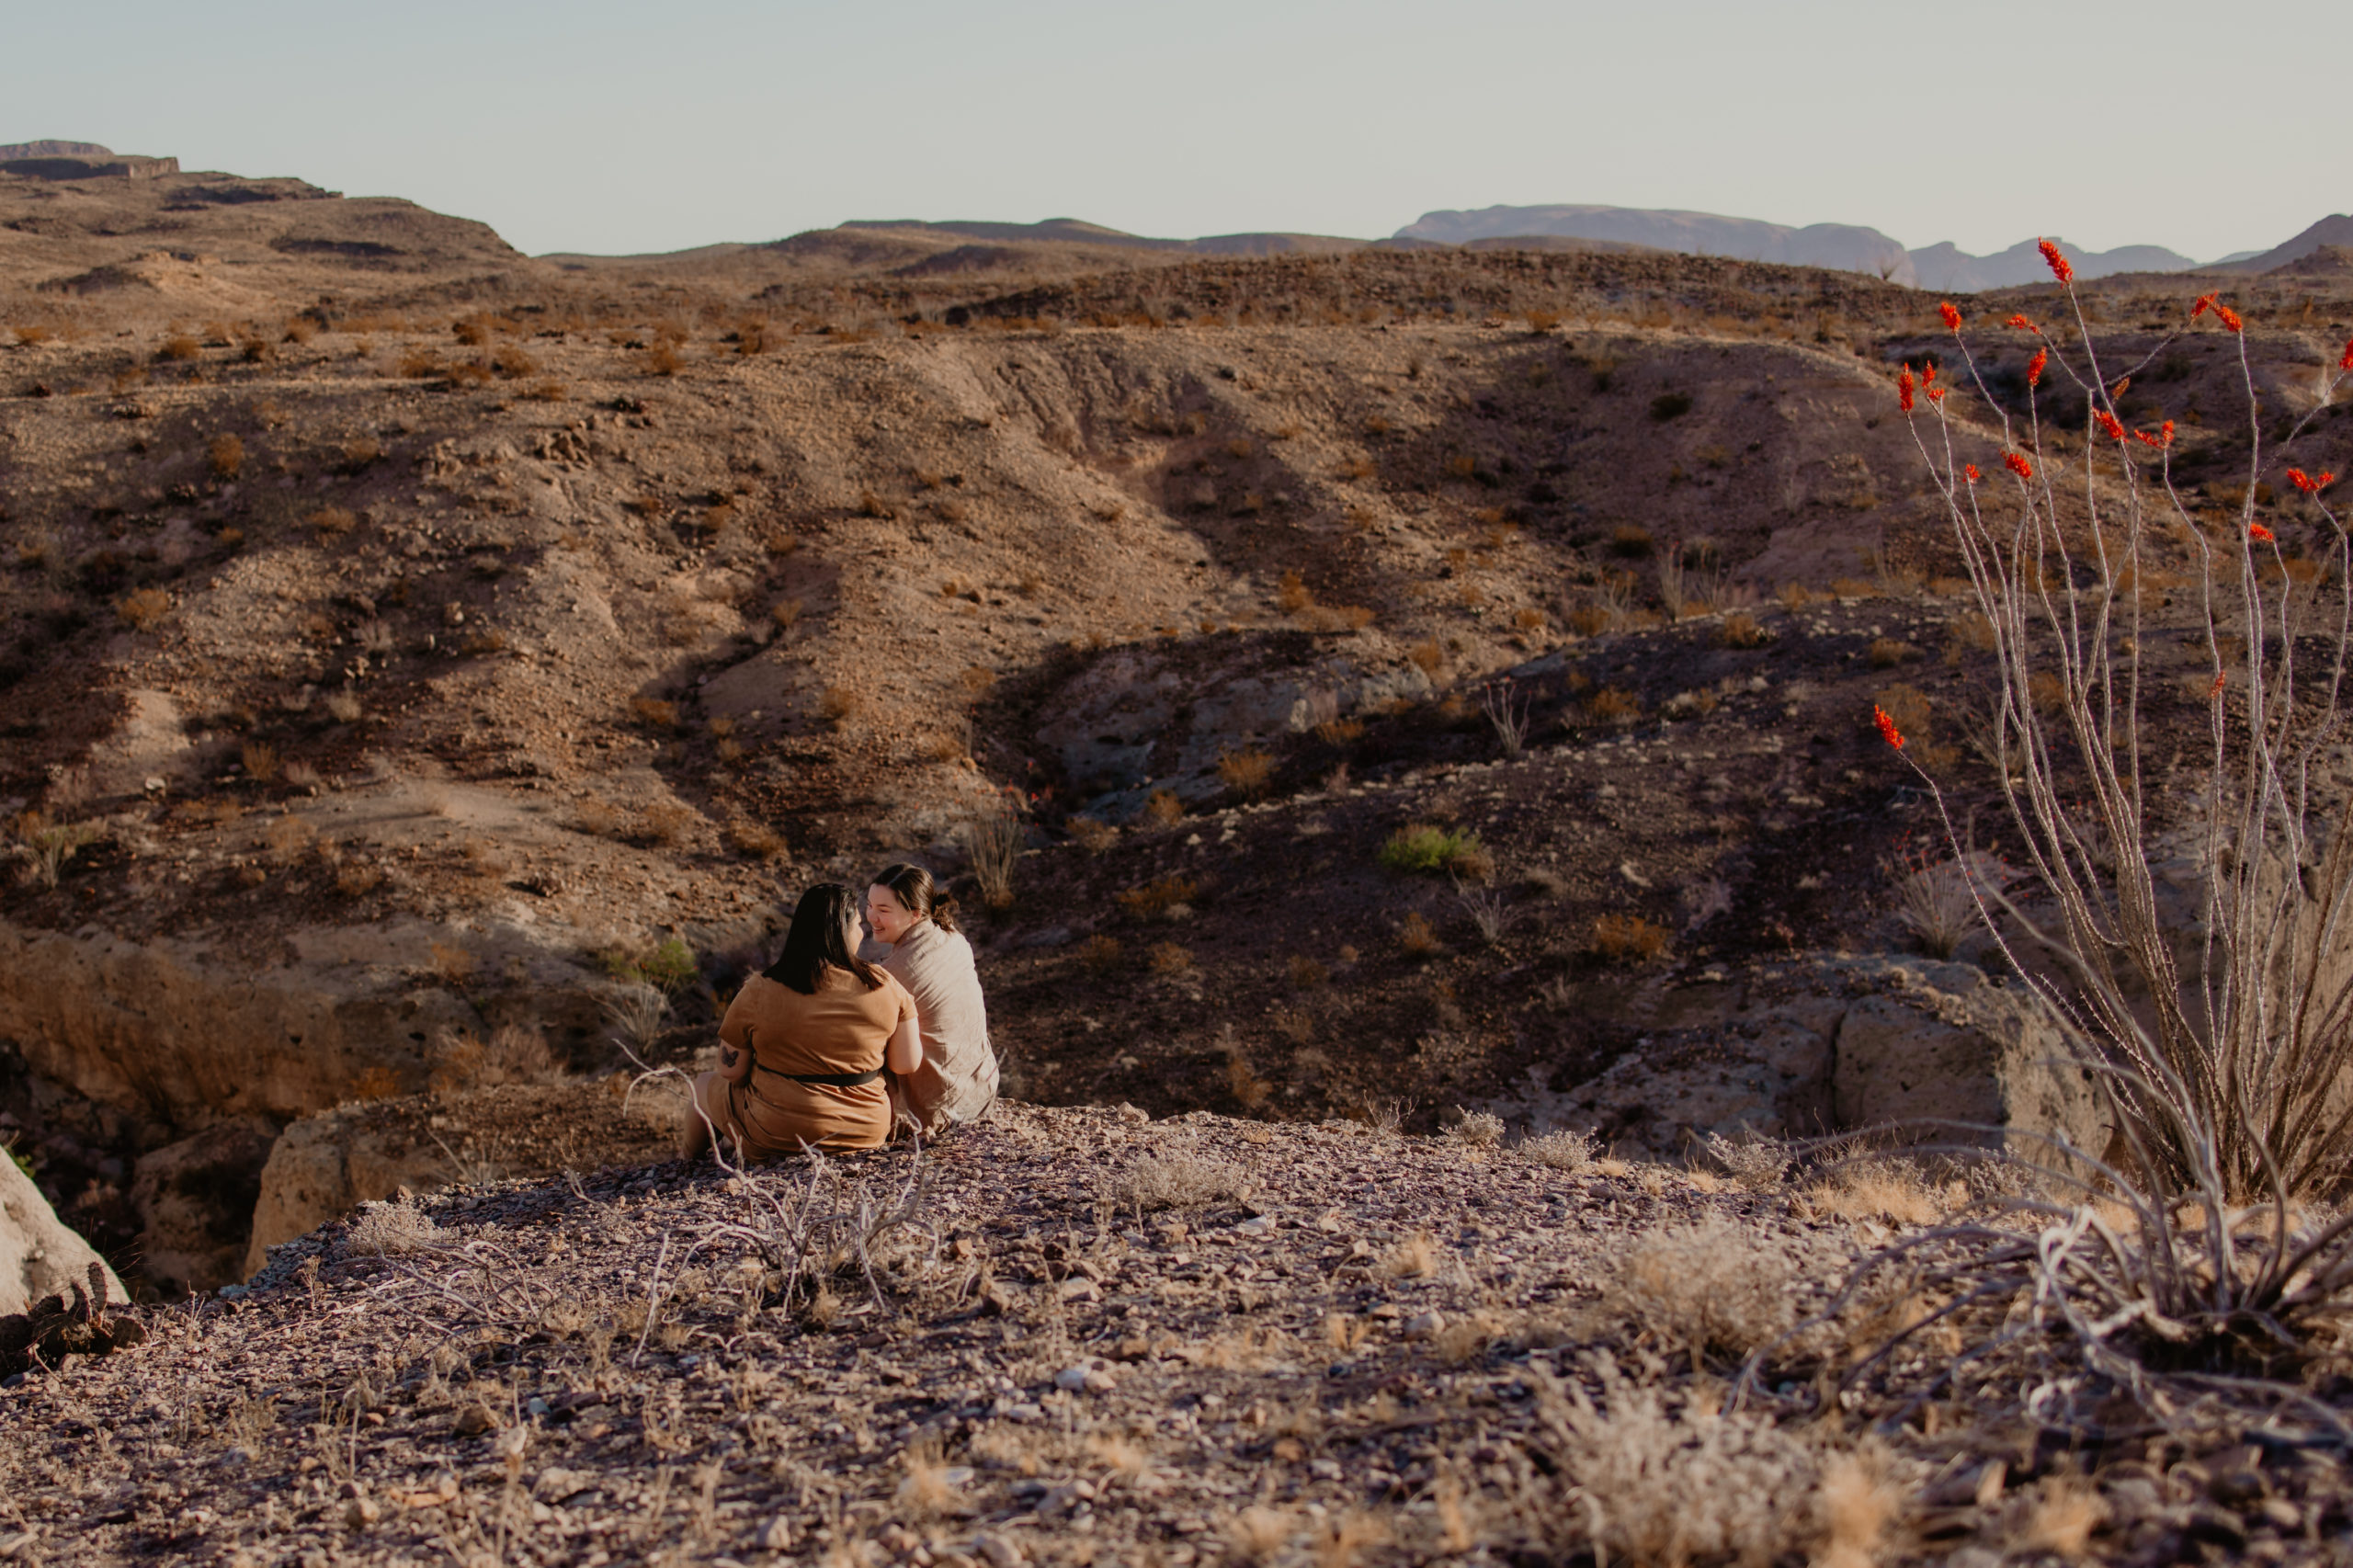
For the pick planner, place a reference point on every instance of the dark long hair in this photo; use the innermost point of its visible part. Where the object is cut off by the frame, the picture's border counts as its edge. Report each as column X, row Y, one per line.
column 822, row 924
column 912, row 886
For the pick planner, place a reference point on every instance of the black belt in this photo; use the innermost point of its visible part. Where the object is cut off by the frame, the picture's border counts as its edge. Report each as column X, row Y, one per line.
column 828, row 1080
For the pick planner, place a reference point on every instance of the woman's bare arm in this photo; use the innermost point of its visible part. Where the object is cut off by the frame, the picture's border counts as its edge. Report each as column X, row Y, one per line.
column 904, row 1053
column 735, row 1047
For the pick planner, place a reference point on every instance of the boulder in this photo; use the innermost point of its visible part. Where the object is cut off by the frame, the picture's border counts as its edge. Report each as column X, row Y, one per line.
column 1933, row 1042
column 324, row 1166
column 1829, row 1044
column 40, row 1256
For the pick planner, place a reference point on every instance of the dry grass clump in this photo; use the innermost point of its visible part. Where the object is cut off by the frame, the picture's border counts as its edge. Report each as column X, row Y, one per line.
column 1629, row 939
column 1662, row 1487
column 1090, row 835
column 142, row 609
column 226, row 457
column 1756, row 1162
column 1711, row 1289
column 1163, row 809
column 1477, row 1129
column 1892, row 1191
column 992, row 838
column 1246, row 772
column 390, row 1230
column 1161, row 898
column 1176, row 1178
column 1564, row 1149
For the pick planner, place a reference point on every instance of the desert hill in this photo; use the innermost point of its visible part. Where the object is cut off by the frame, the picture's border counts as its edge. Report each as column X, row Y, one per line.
column 418, row 650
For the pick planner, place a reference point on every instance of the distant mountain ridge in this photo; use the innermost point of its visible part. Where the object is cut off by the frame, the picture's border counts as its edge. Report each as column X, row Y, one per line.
column 1948, row 267
column 11, row 151
column 2335, row 230
column 1847, row 247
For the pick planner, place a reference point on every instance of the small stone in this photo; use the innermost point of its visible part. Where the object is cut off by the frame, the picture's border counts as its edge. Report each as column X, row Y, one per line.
column 1078, row 1287
column 1421, row 1325
column 2280, row 1514
column 1100, row 1381
column 998, row 1552
column 1128, row 1112
column 1071, row 1379
column 774, row 1536
column 362, row 1512
column 474, row 1421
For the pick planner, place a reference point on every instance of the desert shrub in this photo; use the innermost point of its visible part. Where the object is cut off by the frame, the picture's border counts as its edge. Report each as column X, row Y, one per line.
column 1305, row 972
column 664, row 359
column 1886, row 653
column 1416, row 937
column 260, row 760
column 1101, row 954
column 1163, row 809
column 1161, row 897
column 992, row 838
column 1171, row 957
column 179, row 348
column 1935, row 898
column 1564, row 1149
column 1882, row 1188
column 1090, row 835
column 840, row 704
column 1476, row 1128
column 1740, row 630
column 1176, row 1177
column 1612, row 706
column 1714, row 1289
column 1755, row 1161
column 390, row 1230
column 1291, row 595
column 331, row 522
column 225, row 457
column 142, row 609
column 1629, row 939
column 1246, row 772
column 657, row 713
column 757, row 841
column 1428, row 849
column 668, row 966
column 1661, row 1488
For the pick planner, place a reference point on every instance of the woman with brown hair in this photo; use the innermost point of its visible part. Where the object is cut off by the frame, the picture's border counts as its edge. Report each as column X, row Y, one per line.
column 956, row 1081
column 808, row 1040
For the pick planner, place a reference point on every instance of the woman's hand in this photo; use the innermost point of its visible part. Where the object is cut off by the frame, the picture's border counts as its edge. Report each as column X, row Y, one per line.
column 904, row 1053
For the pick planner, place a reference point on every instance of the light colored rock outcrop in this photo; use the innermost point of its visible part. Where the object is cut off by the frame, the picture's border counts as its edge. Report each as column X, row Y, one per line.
column 1905, row 1044
column 323, row 1166
column 39, row 1254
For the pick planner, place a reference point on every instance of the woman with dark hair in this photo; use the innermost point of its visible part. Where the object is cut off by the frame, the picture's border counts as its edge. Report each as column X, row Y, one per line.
column 807, row 1043
column 957, row 1078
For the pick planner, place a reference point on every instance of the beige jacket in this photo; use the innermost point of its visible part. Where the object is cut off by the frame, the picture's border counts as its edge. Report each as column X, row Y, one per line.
column 957, row 1079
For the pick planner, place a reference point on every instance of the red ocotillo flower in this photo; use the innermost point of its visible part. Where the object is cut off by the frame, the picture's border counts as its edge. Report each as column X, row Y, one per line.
column 2120, row 388
column 2060, row 267
column 2034, row 367
column 2230, row 318
column 1952, row 317
column 2307, row 484
column 2020, row 323
column 2215, row 690
column 2109, row 423
column 2205, row 302
column 1971, row 470
column 1887, row 729
column 2163, row 438
column 1935, row 394
column 2346, row 363
column 1904, row 390
column 2016, row 462
column 2261, row 534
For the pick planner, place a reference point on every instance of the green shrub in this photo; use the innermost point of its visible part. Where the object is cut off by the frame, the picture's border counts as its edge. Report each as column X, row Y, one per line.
column 668, row 966
column 1425, row 850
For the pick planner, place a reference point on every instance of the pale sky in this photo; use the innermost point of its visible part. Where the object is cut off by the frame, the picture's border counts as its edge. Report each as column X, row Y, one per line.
column 595, row 126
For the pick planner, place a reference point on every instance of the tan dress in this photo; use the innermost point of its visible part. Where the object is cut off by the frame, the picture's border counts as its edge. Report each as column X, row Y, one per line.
column 956, row 1081
column 840, row 1032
